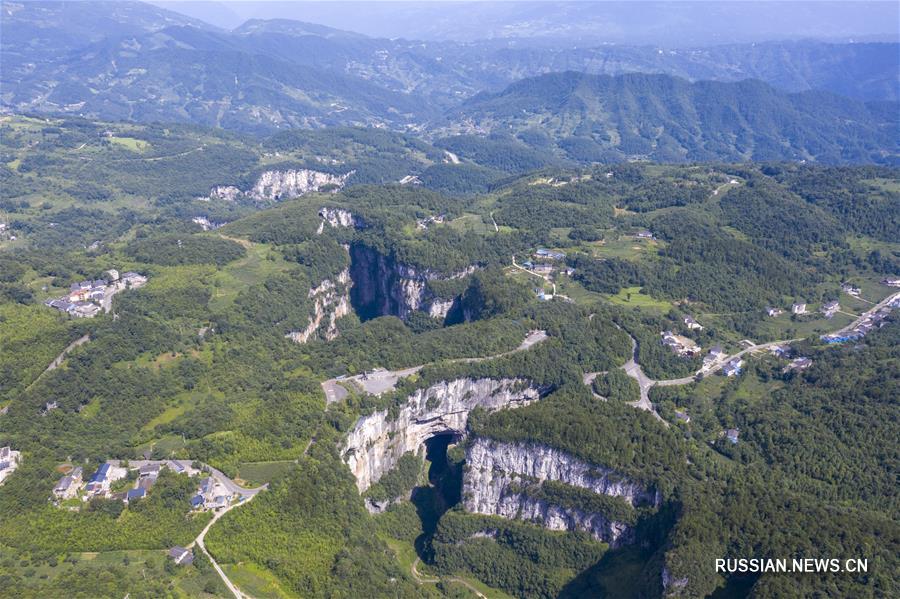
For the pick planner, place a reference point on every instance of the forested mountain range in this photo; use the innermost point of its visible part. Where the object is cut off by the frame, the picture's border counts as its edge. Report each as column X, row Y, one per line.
column 604, row 119
column 200, row 364
column 136, row 61
column 363, row 317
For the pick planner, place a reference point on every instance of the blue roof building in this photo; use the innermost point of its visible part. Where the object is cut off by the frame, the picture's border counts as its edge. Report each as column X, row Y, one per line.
column 196, row 501
column 101, row 473
column 135, row 494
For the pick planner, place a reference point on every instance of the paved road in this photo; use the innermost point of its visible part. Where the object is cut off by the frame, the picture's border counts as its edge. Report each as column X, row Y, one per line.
column 380, row 381
column 414, row 570
column 221, row 478
column 868, row 312
column 634, row 370
column 199, row 542
column 58, row 360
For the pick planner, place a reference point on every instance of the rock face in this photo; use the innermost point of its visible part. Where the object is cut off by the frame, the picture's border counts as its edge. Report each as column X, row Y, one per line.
column 378, row 441
column 383, row 286
column 272, row 186
column 495, row 471
column 338, row 218
column 280, row 185
column 331, row 300
column 672, row 586
column 228, row 193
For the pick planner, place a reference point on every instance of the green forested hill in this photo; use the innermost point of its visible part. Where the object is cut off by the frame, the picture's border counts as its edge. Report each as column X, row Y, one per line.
column 663, row 118
column 196, row 365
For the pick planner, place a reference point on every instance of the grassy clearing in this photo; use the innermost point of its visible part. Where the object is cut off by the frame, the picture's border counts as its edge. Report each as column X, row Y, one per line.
column 470, row 222
column 783, row 327
column 131, row 144
column 256, row 581
column 626, row 248
column 254, row 268
column 634, row 297
column 259, row 473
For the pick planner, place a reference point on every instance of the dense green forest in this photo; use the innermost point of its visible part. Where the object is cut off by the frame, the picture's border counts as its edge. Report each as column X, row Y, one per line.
column 196, row 363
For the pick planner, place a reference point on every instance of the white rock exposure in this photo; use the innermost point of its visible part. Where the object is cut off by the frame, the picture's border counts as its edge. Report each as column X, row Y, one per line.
column 378, row 441
column 331, row 301
column 495, row 471
column 281, row 185
column 338, row 218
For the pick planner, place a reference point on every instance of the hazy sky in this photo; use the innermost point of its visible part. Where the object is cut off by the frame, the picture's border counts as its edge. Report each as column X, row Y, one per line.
column 680, row 23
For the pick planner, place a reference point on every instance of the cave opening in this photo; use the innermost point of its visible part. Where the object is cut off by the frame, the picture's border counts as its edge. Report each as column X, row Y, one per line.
column 444, row 490
column 370, row 292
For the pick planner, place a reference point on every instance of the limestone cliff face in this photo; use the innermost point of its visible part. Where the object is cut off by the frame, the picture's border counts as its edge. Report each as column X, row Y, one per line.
column 280, row 185
column 331, row 301
column 378, row 441
column 495, row 471
column 338, row 218
column 272, row 186
column 383, row 286
column 228, row 193
column 672, row 586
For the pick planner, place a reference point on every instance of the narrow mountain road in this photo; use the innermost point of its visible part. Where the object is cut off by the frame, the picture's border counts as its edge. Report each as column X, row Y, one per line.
column 199, row 542
column 419, row 578
column 634, row 370
column 58, row 360
column 381, row 381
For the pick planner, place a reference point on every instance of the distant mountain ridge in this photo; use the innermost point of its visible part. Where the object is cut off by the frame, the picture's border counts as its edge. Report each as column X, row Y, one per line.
column 599, row 118
column 134, row 61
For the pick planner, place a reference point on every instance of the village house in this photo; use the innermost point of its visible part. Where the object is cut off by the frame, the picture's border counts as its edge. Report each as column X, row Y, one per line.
column 715, row 354
column 850, row 289
column 543, row 269
column 549, row 254
column 181, row 556
column 798, row 308
column 67, row 487
column 780, row 351
column 100, row 481
column 732, row 435
column 679, row 344
column 9, row 461
column 135, row 494
column 733, row 367
column 682, row 416
column 133, row 280
column 773, row 312
column 692, row 324
column 830, row 308
column 798, row 364
column 644, row 235
column 891, row 281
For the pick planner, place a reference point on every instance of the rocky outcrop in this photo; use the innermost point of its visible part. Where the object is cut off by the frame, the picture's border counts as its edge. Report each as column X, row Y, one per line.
column 331, row 301
column 377, row 442
column 272, row 186
column 496, row 470
column 338, row 218
column 228, row 193
column 206, row 224
column 280, row 185
column 386, row 287
column 672, row 585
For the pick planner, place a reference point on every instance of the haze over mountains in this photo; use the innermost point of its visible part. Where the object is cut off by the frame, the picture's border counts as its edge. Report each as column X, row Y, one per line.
column 137, row 61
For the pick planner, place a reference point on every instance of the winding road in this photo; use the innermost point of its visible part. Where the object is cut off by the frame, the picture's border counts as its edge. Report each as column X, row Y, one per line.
column 633, row 369
column 381, row 381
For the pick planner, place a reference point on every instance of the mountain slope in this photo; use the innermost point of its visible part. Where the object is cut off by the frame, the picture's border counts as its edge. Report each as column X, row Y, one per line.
column 658, row 117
